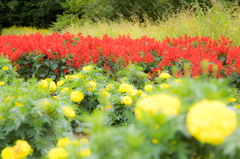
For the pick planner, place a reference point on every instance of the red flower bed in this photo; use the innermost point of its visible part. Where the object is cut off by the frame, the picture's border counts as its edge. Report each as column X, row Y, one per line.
column 150, row 53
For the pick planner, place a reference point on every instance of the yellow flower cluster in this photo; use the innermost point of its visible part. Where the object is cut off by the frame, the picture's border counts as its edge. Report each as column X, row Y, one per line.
column 152, row 104
column 127, row 100
column 5, row 68
column 60, row 83
column 108, row 88
column 211, row 121
column 164, row 75
column 87, row 68
column 21, row 150
column 133, row 92
column 58, row 153
column 125, row 88
column 45, row 84
column 2, row 83
column 68, row 112
column 178, row 81
column 64, row 89
column 91, row 85
column 232, row 99
column 148, row 88
column 85, row 152
column 164, row 85
column 77, row 96
column 63, row 142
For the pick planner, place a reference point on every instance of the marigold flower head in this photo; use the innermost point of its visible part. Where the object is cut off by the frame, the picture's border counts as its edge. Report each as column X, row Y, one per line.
column 133, row 92
column 60, row 83
column 8, row 153
column 5, row 68
column 178, row 81
column 232, row 99
column 91, row 85
column 87, row 68
column 148, row 88
column 107, row 107
column 165, row 75
column 211, row 121
column 127, row 100
column 80, row 76
column 22, row 149
column 63, row 142
column 83, row 141
column 125, row 88
column 52, row 86
column 2, row 83
column 68, row 112
column 155, row 141
column 64, row 89
column 164, row 85
column 152, row 104
column 58, row 153
column 85, row 152
column 77, row 96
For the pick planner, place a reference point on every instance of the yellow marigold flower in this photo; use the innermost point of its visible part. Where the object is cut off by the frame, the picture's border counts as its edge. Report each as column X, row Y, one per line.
column 107, row 107
column 52, row 86
column 18, row 104
column 87, row 68
column 77, row 96
column 164, row 85
column 155, row 141
column 110, row 86
column 127, row 100
column 80, row 76
column 22, row 149
column 85, row 152
column 76, row 142
column 211, row 121
column 45, row 103
column 2, row 83
column 60, row 83
column 152, row 104
column 5, row 68
column 43, row 84
column 56, row 97
column 8, row 153
column 58, row 153
column 63, row 142
column 84, row 141
column 64, row 89
column 90, row 86
column 164, row 75
column 232, row 100
column 86, row 131
column 178, row 81
column 125, row 88
column 68, row 112
column 237, row 106
column 133, row 92
column 148, row 88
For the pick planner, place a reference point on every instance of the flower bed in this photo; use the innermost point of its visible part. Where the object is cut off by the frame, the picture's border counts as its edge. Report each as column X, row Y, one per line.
column 58, row 55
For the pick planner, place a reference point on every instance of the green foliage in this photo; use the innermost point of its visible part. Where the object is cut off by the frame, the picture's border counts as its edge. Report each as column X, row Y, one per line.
column 39, row 13
column 7, row 72
column 39, row 66
column 129, row 9
column 160, row 136
column 28, row 112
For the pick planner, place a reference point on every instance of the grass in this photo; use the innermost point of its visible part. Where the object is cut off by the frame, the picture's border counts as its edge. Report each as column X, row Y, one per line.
column 14, row 30
column 218, row 21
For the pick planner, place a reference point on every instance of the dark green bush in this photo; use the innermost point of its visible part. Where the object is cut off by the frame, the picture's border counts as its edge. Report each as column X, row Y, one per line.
column 39, row 13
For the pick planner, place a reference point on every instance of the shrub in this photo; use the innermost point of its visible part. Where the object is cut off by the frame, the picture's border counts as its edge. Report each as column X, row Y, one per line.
column 28, row 113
